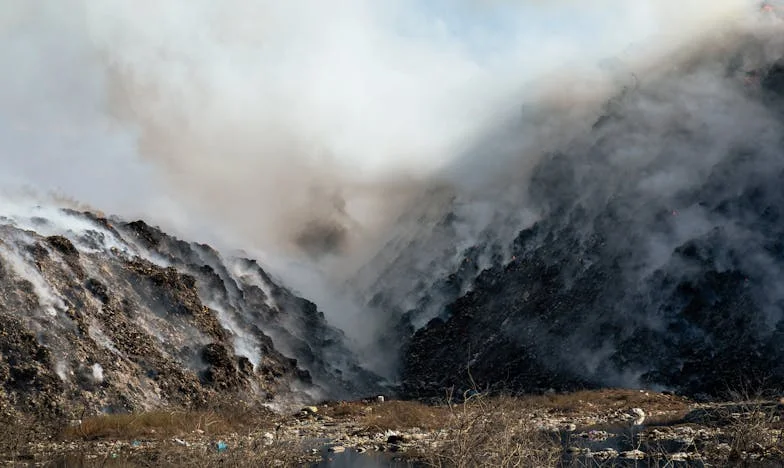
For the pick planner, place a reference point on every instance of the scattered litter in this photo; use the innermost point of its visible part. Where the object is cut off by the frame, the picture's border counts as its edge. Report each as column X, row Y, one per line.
column 380, row 398
column 638, row 415
column 136, row 443
column 181, row 442
column 222, row 446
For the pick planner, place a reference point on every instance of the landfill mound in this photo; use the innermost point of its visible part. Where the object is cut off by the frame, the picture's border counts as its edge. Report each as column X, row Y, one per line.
column 100, row 316
column 655, row 257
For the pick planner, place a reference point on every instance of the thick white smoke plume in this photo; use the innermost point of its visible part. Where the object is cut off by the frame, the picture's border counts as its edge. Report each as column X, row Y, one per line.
column 269, row 115
column 303, row 125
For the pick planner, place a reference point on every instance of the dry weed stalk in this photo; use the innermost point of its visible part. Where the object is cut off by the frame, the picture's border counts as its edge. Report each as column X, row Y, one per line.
column 492, row 431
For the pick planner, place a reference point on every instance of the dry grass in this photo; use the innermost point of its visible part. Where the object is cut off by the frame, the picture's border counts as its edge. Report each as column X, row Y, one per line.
column 606, row 400
column 391, row 415
column 163, row 424
column 402, row 415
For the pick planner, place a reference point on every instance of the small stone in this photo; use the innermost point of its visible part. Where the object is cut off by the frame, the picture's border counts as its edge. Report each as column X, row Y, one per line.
column 337, row 449
column 633, row 455
column 310, row 410
column 268, row 436
column 395, row 439
column 724, row 447
column 606, row 454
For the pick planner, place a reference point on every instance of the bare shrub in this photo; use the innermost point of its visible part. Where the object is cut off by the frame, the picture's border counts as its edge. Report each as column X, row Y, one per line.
column 492, row 432
column 754, row 433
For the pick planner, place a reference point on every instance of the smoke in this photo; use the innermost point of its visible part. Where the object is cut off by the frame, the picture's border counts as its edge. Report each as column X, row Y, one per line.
column 322, row 129
column 12, row 250
column 305, row 124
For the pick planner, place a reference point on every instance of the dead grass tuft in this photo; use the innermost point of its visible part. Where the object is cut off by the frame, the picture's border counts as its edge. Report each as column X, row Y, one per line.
column 607, row 400
column 402, row 415
column 162, row 424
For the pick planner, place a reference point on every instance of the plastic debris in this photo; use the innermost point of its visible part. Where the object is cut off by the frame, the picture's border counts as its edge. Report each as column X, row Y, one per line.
column 136, row 443
column 222, row 446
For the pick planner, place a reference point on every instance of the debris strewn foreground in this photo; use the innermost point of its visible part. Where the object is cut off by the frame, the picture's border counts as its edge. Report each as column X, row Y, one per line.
column 598, row 428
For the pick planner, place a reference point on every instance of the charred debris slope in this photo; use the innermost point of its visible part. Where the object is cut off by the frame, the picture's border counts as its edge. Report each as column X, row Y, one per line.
column 657, row 260
column 100, row 315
